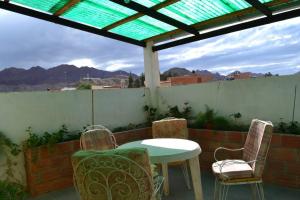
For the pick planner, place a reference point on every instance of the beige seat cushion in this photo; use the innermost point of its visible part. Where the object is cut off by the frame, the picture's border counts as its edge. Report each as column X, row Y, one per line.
column 232, row 169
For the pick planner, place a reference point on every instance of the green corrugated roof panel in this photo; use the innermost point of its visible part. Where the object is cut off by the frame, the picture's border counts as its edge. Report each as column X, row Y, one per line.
column 98, row 13
column 142, row 28
column 50, row 6
column 191, row 11
column 148, row 3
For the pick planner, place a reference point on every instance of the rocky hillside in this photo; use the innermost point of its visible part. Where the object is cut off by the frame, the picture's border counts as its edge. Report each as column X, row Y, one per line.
column 62, row 74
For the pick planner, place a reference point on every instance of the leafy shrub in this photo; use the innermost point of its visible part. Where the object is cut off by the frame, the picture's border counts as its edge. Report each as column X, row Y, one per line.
column 11, row 191
column 62, row 135
column 173, row 111
column 84, row 86
column 129, row 127
column 292, row 127
column 211, row 120
column 5, row 141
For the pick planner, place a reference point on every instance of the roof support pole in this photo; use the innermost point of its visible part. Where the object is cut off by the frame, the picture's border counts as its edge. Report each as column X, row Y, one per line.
column 152, row 75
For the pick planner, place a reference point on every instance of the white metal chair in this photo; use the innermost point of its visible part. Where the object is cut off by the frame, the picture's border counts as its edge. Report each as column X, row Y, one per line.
column 249, row 169
column 172, row 128
column 97, row 137
column 118, row 174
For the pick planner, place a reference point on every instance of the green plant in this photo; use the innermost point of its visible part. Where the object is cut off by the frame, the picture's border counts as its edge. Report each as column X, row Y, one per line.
column 206, row 119
column 34, row 140
column 84, row 86
column 221, row 123
column 6, row 142
column 11, row 191
column 63, row 134
column 9, row 188
column 175, row 112
column 292, row 127
column 211, row 120
column 151, row 113
column 129, row 127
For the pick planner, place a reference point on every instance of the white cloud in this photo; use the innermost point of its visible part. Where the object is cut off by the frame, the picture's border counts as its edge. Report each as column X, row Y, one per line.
column 4, row 13
column 83, row 62
column 228, row 69
column 275, row 35
column 117, row 64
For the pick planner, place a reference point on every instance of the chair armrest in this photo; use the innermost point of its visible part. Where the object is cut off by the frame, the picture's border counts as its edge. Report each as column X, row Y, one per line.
column 227, row 149
column 114, row 141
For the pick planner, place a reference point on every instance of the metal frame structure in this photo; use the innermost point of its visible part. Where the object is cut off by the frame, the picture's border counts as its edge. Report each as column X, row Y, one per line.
column 271, row 12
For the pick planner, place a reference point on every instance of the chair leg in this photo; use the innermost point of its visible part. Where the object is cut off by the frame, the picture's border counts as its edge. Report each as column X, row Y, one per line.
column 216, row 190
column 165, row 173
column 186, row 175
column 226, row 191
column 254, row 191
column 220, row 189
column 261, row 191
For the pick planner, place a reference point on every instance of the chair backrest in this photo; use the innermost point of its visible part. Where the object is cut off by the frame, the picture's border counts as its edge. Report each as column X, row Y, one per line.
column 97, row 138
column 170, row 128
column 257, row 145
column 118, row 174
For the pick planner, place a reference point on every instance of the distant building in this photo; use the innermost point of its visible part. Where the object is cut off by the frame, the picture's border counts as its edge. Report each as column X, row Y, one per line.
column 66, row 89
column 239, row 75
column 186, row 80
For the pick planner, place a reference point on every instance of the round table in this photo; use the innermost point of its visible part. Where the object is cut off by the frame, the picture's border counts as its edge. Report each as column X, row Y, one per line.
column 166, row 150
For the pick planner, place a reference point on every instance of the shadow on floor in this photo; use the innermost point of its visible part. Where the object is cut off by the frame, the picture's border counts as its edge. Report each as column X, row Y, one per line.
column 179, row 191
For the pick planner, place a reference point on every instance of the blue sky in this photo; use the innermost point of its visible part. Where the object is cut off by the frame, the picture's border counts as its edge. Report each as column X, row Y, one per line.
column 26, row 42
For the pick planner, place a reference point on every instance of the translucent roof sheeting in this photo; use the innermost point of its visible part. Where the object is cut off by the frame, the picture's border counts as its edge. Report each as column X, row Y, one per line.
column 142, row 28
column 126, row 20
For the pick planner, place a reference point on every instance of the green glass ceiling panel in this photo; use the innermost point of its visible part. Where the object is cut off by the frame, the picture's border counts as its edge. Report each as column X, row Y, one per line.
column 194, row 11
column 50, row 6
column 98, row 13
column 148, row 3
column 191, row 11
column 142, row 28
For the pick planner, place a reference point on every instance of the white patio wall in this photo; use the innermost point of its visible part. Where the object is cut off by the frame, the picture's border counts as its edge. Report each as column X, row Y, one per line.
column 265, row 98
column 47, row 111
column 268, row 98
column 43, row 111
column 114, row 108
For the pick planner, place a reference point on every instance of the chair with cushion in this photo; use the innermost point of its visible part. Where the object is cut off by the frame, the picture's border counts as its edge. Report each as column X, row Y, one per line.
column 118, row 174
column 249, row 169
column 97, row 137
column 172, row 128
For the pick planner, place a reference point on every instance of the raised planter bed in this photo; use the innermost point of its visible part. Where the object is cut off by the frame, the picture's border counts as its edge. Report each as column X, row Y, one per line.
column 49, row 168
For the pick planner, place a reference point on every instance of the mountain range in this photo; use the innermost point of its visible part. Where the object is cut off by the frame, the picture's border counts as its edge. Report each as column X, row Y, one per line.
column 38, row 78
column 178, row 71
column 60, row 74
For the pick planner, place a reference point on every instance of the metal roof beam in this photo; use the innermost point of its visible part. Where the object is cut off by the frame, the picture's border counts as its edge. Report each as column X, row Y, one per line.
column 138, row 15
column 65, row 22
column 230, row 29
column 261, row 7
column 66, row 7
column 154, row 14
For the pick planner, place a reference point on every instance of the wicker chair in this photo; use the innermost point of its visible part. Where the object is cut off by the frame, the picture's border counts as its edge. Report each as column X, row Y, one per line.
column 97, row 137
column 249, row 169
column 118, row 174
column 172, row 128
